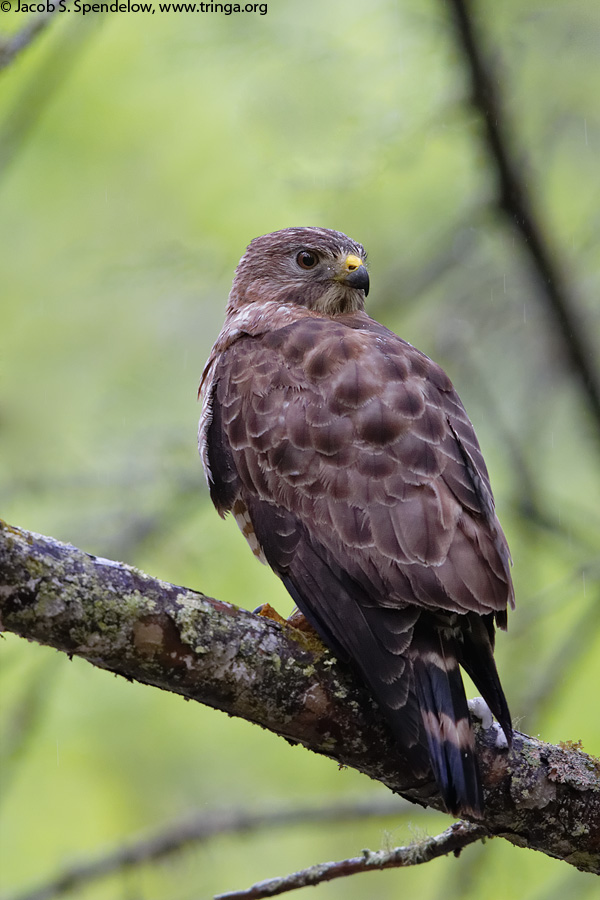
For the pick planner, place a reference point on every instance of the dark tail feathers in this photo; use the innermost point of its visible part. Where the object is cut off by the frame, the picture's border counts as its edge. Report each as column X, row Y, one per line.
column 477, row 659
column 445, row 714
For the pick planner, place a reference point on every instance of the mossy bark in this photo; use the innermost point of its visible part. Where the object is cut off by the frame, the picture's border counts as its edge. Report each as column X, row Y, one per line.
column 537, row 795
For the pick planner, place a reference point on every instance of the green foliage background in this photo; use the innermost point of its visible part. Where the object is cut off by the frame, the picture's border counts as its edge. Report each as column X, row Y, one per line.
column 138, row 156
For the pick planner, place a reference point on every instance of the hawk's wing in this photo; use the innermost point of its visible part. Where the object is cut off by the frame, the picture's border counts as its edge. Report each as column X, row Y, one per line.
column 350, row 463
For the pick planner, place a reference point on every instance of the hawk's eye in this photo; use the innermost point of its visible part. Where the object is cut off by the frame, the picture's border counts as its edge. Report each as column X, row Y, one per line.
column 306, row 259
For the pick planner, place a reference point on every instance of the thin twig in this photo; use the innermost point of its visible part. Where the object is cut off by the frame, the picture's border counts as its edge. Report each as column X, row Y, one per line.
column 199, row 828
column 453, row 840
column 11, row 47
column 516, row 203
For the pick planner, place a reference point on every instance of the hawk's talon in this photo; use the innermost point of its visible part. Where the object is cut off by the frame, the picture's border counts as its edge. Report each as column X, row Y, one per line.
column 267, row 612
column 299, row 621
column 303, row 631
column 296, row 620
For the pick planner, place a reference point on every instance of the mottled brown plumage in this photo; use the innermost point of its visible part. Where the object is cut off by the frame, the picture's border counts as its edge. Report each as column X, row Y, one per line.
column 353, row 470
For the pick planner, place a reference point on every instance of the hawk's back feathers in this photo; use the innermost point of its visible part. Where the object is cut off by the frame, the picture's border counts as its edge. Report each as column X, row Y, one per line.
column 348, row 458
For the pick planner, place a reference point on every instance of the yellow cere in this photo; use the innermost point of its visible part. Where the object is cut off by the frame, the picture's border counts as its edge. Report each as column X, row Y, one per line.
column 352, row 262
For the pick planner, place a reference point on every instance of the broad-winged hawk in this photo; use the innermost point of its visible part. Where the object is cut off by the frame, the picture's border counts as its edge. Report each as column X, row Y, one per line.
column 352, row 469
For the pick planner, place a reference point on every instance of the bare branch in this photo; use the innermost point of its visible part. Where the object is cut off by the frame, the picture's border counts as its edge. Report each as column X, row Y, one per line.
column 453, row 840
column 196, row 829
column 538, row 795
column 516, row 204
column 12, row 46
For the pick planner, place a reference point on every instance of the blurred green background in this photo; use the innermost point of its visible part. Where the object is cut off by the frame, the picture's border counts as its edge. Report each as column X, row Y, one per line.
column 138, row 156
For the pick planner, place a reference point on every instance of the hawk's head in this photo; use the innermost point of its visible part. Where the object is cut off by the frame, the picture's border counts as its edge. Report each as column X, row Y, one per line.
column 320, row 269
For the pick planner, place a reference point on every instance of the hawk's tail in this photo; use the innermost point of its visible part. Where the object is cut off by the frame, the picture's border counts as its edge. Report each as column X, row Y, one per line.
column 477, row 659
column 441, row 695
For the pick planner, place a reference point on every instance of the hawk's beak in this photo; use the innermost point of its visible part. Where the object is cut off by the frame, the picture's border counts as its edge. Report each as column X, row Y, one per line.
column 353, row 272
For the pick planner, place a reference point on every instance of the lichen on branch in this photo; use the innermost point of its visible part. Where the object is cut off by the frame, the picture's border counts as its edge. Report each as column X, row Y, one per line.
column 538, row 795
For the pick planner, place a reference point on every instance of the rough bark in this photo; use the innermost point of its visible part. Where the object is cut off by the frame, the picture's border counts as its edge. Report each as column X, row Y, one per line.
column 537, row 795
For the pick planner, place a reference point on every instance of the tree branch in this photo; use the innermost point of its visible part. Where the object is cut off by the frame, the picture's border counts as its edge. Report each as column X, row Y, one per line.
column 35, row 25
column 516, row 204
column 453, row 840
column 196, row 829
column 116, row 617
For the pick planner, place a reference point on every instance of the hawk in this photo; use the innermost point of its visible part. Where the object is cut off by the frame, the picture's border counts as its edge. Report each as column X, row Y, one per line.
column 352, row 469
